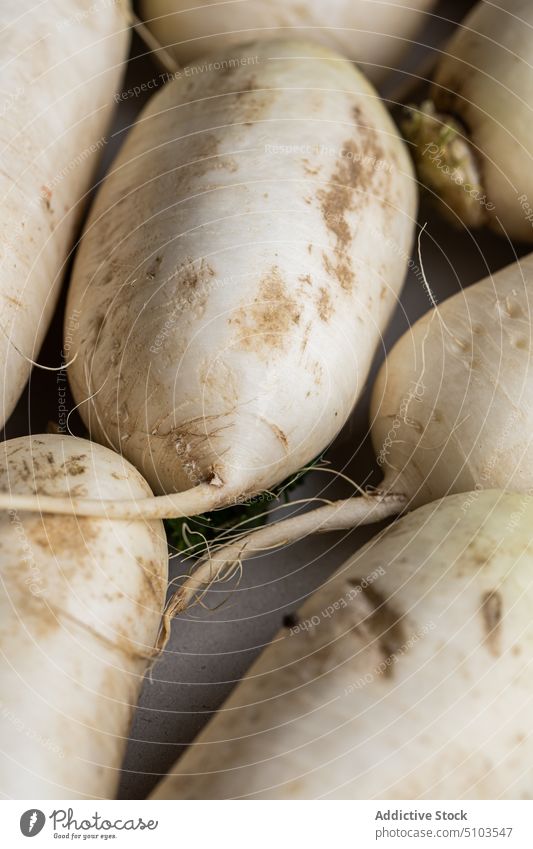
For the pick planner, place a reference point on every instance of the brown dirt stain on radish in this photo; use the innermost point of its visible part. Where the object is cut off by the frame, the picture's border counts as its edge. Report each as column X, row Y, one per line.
column 385, row 624
column 152, row 591
column 75, row 465
column 491, row 614
column 40, row 619
column 316, row 372
column 324, row 305
column 15, row 302
column 153, row 268
column 267, row 322
column 205, row 159
column 251, row 102
column 280, row 436
column 354, row 177
column 341, row 269
column 114, row 270
column 338, row 199
column 64, row 535
column 46, row 197
column 40, row 471
column 305, row 337
column 209, row 158
column 311, row 170
column 249, row 85
column 335, row 202
column 191, row 275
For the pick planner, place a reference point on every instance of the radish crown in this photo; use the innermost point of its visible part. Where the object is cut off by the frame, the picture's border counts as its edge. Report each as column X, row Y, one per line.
column 445, row 163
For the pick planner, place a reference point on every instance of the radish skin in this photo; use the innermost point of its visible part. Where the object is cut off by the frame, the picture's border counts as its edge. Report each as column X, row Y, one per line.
column 374, row 34
column 450, row 412
column 471, row 139
column 235, row 277
column 452, row 408
column 61, row 63
column 80, row 610
column 405, row 677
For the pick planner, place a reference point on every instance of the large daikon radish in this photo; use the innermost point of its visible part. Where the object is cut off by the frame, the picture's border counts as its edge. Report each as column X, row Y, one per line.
column 238, row 268
column 373, row 33
column 407, row 676
column 61, row 62
column 452, row 407
column 80, row 610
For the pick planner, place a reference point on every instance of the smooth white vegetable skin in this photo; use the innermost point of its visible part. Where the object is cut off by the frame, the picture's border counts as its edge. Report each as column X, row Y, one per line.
column 485, row 79
column 80, row 608
column 239, row 265
column 415, row 686
column 452, row 406
column 61, row 62
column 374, row 34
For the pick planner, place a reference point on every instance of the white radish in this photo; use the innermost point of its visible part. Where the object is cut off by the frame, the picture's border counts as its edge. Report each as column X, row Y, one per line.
column 80, row 610
column 61, row 63
column 472, row 138
column 406, row 676
column 373, row 33
column 452, row 406
column 239, row 265
column 451, row 411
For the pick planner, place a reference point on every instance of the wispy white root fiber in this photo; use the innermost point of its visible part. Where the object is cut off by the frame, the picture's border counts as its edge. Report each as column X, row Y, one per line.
column 340, row 515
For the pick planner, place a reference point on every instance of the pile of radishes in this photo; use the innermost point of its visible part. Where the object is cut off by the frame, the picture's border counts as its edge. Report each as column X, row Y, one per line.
column 236, row 271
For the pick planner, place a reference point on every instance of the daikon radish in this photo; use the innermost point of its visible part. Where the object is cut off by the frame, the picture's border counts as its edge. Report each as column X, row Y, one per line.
column 407, row 676
column 61, row 64
column 373, row 33
column 80, row 610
